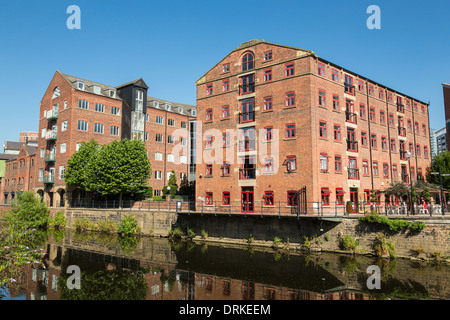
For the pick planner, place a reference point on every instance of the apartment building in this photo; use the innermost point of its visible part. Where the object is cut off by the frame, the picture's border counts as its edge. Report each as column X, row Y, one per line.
column 285, row 120
column 74, row 110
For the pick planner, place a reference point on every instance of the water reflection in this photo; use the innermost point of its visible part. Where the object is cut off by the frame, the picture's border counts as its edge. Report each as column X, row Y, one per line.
column 156, row 269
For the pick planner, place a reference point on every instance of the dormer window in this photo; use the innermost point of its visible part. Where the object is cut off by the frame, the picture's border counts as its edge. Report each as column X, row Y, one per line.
column 80, row 85
column 156, row 104
column 112, row 93
column 180, row 109
column 97, row 90
column 56, row 93
column 139, row 100
column 167, row 107
column 194, row 113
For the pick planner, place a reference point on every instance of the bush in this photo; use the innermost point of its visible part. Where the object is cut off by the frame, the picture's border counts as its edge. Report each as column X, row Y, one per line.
column 107, row 226
column 349, row 243
column 57, row 221
column 28, row 211
column 83, row 224
column 128, row 225
column 383, row 246
column 392, row 224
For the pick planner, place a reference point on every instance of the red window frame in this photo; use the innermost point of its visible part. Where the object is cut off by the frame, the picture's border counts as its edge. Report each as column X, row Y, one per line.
column 269, row 198
column 322, row 101
column 362, row 111
column 225, row 139
column 268, row 55
column 382, row 117
column 389, row 97
column 267, row 75
column 391, row 120
column 291, row 198
column 209, row 114
column 409, row 125
column 322, row 129
column 225, row 67
column 226, row 198
column 209, row 198
column 208, row 170
column 337, row 163
column 248, row 62
column 268, row 164
column 348, row 85
column 340, row 196
column 425, row 152
column 247, row 111
column 290, row 99
column 385, row 170
column 289, row 69
column 365, row 167
column 372, row 114
column 321, row 69
column 335, row 75
column 209, row 141
column 268, row 103
column 416, row 127
column 226, row 169
column 209, row 89
column 373, row 140
column 290, row 130
column 291, row 163
column 336, row 102
column 383, row 143
column 323, row 162
column 225, row 112
column 337, row 132
column 247, row 84
column 393, row 145
column 394, row 171
column 268, row 133
column 225, row 85
column 361, row 86
column 381, row 94
column 424, row 129
column 364, row 138
column 418, row 151
column 371, row 90
column 325, row 196
column 375, row 168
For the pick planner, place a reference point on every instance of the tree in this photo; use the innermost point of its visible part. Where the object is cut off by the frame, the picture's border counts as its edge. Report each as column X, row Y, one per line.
column 440, row 161
column 172, row 183
column 119, row 167
column 28, row 211
column 76, row 174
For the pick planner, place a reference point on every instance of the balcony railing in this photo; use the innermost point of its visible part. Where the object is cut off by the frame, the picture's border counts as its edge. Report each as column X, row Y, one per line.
column 402, row 155
column 247, row 173
column 50, row 157
column 51, row 135
column 350, row 89
column 353, row 173
column 350, row 117
column 52, row 114
column 400, row 108
column 352, row 145
column 49, row 178
column 246, row 117
column 402, row 131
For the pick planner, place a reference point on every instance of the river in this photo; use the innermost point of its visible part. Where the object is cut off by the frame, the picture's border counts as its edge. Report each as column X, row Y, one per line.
column 145, row 268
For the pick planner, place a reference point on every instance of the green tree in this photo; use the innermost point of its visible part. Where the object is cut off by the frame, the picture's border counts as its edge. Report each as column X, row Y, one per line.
column 28, row 211
column 119, row 167
column 76, row 174
column 172, row 183
column 440, row 161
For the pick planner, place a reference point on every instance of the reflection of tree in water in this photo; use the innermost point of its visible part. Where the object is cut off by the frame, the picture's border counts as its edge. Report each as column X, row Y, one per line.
column 117, row 284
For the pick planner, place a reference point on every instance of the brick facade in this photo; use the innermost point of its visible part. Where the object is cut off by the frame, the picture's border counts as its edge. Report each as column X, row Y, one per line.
column 302, row 96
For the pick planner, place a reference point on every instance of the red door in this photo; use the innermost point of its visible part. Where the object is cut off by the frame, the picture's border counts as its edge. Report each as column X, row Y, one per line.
column 247, row 200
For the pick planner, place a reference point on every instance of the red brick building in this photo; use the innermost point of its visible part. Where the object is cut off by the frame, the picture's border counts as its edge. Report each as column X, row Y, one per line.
column 288, row 119
column 74, row 110
column 446, row 92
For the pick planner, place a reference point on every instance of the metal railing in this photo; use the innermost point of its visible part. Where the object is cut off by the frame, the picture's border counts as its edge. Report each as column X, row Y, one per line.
column 352, row 145
column 350, row 117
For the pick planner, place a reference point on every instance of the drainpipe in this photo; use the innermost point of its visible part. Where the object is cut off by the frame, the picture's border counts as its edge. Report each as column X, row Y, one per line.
column 370, row 134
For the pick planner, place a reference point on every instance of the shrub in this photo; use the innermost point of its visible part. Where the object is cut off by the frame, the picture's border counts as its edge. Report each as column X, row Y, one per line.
column 83, row 224
column 28, row 211
column 128, row 225
column 383, row 246
column 349, row 243
column 176, row 232
column 392, row 224
column 57, row 221
column 107, row 226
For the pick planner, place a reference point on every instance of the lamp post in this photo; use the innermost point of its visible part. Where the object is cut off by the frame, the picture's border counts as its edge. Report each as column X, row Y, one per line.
column 408, row 156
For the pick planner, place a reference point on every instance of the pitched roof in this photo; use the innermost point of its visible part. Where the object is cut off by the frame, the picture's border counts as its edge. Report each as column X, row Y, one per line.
column 138, row 82
column 173, row 105
column 13, row 145
column 7, row 156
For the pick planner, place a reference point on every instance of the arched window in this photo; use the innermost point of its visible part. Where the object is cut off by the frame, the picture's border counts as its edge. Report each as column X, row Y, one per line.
column 247, row 62
column 56, row 93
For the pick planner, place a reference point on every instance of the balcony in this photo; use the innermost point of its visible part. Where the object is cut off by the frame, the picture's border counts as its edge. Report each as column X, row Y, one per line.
column 352, row 145
column 49, row 179
column 52, row 114
column 247, row 173
column 50, row 157
column 51, row 135
column 402, row 131
column 350, row 89
column 350, row 117
column 353, row 173
column 400, row 108
column 245, row 117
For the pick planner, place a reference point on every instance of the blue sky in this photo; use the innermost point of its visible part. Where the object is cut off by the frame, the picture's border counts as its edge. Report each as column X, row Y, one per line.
column 170, row 44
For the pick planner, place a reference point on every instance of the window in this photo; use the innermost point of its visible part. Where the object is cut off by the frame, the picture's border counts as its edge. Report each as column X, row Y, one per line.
column 385, row 170
column 291, row 198
column 98, row 127
column 422, row 109
column 415, row 107
column 209, row 169
column 375, row 168
column 64, row 125
column 335, row 75
column 62, row 170
column 268, row 55
column 225, row 139
column 411, row 149
column 115, row 111
column 268, row 133
column 225, row 112
column 382, row 117
column 139, row 101
column 226, row 67
column 97, row 90
column 348, row 85
column 362, row 111
column 267, row 75
column 337, row 132
column 267, row 103
column 159, row 120
column 416, row 127
column 268, row 198
column 339, row 196
column 425, row 151
column 291, row 163
column 226, row 169
column 209, row 198
column 247, row 111
column 321, row 69
column 337, row 164
column 226, row 85
column 209, row 89
column 323, row 162
column 170, row 139
column 42, row 153
column 226, row 198
column 424, row 129
column 209, row 141
column 290, row 130
column 99, row 107
column 381, row 94
column 383, row 143
column 393, row 145
column 290, row 99
column 171, row 122
column 63, row 148
column 247, row 62
column 170, row 157
column 83, row 104
column 372, row 116
column 289, row 69
column 373, row 140
column 336, row 102
column 418, row 153
column 361, row 86
column 56, row 93
column 41, row 174
column 394, row 171
column 389, row 97
column 364, row 138
column 158, row 175
column 391, row 120
column 365, row 167
column 247, row 84
column 322, row 129
column 82, row 125
column 80, row 85
column 114, row 130
column 209, row 114
column 158, row 156
column 268, row 165
column 371, row 91
column 183, row 124
column 325, row 195
column 322, row 102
